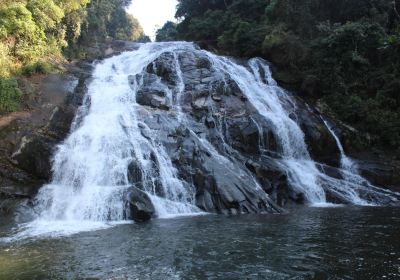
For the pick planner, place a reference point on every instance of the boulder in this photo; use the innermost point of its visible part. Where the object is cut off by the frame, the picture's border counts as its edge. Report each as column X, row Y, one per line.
column 152, row 92
column 139, row 206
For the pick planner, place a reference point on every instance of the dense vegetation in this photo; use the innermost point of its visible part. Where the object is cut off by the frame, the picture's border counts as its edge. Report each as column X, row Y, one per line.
column 343, row 53
column 34, row 34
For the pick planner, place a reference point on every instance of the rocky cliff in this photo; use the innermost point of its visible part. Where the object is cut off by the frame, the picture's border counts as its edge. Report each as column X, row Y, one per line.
column 217, row 140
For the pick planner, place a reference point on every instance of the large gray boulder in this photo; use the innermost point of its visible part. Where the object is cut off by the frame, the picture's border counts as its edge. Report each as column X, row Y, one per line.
column 139, row 206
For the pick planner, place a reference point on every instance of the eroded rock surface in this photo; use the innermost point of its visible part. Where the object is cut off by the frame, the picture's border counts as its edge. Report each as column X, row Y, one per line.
column 29, row 139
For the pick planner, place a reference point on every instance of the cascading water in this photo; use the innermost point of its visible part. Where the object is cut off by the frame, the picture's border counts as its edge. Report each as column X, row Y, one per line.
column 110, row 137
column 353, row 184
column 93, row 162
column 276, row 106
column 348, row 165
column 267, row 98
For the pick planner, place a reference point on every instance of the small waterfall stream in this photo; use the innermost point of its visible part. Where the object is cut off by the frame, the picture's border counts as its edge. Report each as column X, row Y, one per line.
column 110, row 136
column 348, row 165
column 353, row 185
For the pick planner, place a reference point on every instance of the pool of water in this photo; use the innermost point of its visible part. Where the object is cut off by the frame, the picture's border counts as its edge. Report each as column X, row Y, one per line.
column 307, row 243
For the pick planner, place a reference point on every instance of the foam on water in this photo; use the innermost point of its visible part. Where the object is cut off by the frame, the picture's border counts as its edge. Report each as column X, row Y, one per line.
column 326, row 205
column 56, row 228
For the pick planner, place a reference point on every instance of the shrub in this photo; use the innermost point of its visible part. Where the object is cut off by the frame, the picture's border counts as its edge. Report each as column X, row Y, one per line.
column 10, row 95
column 40, row 67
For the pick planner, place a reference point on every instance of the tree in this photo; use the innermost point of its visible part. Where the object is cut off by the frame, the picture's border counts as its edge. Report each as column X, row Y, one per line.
column 348, row 50
column 33, row 32
column 19, row 31
column 167, row 33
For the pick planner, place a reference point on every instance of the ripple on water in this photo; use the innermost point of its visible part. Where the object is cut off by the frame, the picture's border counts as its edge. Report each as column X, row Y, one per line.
column 343, row 243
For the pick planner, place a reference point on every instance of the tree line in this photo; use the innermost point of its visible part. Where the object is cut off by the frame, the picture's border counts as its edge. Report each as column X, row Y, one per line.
column 344, row 54
column 35, row 34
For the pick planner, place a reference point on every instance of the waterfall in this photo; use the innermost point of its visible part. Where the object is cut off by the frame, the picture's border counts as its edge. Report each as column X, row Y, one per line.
column 110, row 136
column 268, row 98
column 348, row 165
column 353, row 184
column 90, row 168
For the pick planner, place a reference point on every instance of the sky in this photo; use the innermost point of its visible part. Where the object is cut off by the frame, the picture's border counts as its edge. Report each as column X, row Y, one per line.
column 152, row 14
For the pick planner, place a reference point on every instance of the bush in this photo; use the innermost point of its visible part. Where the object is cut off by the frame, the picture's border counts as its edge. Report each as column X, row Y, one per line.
column 10, row 95
column 40, row 67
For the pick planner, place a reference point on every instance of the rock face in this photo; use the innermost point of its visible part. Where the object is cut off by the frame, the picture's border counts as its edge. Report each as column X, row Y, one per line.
column 221, row 144
column 216, row 139
column 28, row 140
column 380, row 169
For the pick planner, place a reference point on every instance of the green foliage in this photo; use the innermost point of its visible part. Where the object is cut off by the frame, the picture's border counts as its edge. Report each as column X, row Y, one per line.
column 246, row 36
column 348, row 49
column 20, row 33
column 36, row 32
column 128, row 29
column 69, row 6
column 40, row 67
column 6, row 63
column 45, row 13
column 100, row 21
column 33, row 30
column 167, row 33
column 10, row 95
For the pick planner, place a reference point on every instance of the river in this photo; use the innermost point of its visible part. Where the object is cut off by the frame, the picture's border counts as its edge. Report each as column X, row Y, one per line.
column 307, row 243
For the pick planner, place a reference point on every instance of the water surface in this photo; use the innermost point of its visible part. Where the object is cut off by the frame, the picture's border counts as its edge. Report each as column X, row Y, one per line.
column 308, row 243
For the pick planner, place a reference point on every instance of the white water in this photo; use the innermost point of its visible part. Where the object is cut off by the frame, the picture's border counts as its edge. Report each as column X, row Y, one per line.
column 278, row 109
column 90, row 169
column 352, row 181
column 268, row 99
column 348, row 165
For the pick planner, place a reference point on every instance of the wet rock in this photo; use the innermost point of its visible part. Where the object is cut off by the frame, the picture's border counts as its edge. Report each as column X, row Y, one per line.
column 321, row 144
column 330, row 171
column 207, row 80
column 27, row 143
column 101, row 50
column 9, row 204
column 381, row 171
column 210, row 122
column 139, row 206
column 134, row 173
column 216, row 98
column 34, row 151
column 34, row 156
column 152, row 93
column 203, row 62
column 60, row 122
column 202, row 103
column 273, row 179
column 164, row 67
column 217, row 142
column 222, row 185
column 155, row 100
column 244, row 135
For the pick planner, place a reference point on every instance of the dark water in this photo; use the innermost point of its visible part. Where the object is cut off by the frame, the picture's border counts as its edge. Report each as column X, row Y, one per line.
column 308, row 243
